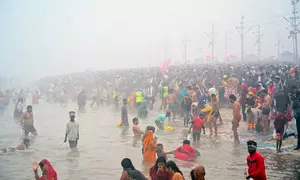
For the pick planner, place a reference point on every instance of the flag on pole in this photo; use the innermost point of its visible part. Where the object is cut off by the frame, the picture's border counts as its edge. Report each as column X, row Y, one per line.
column 165, row 65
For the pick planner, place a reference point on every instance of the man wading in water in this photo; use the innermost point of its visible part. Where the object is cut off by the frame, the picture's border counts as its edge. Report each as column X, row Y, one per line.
column 27, row 122
column 236, row 111
column 266, row 109
column 72, row 131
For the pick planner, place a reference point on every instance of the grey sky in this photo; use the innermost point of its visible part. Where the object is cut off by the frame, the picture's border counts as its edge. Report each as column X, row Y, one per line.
column 48, row 37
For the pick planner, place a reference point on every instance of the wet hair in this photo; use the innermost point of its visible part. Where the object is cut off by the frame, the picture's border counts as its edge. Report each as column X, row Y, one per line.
column 135, row 120
column 172, row 165
column 160, row 160
column 232, row 97
column 186, row 142
column 127, row 164
column 160, row 145
column 168, row 114
column 192, row 175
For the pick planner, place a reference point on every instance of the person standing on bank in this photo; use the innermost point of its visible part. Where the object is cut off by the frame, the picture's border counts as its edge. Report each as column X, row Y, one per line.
column 72, row 131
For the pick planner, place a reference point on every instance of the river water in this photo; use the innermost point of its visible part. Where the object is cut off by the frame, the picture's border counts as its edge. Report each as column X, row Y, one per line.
column 103, row 145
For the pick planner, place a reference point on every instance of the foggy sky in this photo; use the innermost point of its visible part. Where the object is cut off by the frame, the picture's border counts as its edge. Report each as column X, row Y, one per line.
column 49, row 37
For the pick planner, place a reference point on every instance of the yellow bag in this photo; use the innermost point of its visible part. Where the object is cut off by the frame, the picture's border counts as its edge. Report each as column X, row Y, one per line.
column 168, row 128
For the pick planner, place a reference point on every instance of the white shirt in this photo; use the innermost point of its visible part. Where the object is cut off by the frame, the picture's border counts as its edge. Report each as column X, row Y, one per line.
column 72, row 130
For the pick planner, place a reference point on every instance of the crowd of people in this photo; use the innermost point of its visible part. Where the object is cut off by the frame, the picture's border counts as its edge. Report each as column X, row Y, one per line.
column 257, row 94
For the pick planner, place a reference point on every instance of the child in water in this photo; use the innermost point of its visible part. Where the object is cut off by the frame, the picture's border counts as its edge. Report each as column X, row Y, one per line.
column 135, row 129
column 160, row 119
column 160, row 151
column 197, row 125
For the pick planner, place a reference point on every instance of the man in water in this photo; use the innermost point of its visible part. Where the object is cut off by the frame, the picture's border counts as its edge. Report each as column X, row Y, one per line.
column 171, row 101
column 214, row 114
column 72, row 131
column 27, row 122
column 266, row 109
column 124, row 113
column 187, row 149
column 256, row 163
column 159, row 121
column 236, row 112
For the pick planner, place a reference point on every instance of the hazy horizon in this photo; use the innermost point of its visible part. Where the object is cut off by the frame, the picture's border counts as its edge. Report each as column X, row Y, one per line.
column 43, row 38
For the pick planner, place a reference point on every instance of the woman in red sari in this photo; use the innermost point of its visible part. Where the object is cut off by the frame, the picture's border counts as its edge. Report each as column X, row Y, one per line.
column 159, row 170
column 47, row 170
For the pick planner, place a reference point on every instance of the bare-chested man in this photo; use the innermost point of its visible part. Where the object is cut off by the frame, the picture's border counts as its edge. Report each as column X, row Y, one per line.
column 214, row 115
column 171, row 101
column 266, row 109
column 236, row 112
column 232, row 84
column 27, row 122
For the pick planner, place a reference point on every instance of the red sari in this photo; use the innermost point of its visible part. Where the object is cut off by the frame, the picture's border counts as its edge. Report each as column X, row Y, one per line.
column 51, row 173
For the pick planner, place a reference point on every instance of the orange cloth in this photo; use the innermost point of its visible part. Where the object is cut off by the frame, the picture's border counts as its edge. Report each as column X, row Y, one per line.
column 177, row 176
column 271, row 90
column 149, row 149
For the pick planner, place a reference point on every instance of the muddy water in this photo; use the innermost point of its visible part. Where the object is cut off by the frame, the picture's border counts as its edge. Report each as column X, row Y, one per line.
column 102, row 146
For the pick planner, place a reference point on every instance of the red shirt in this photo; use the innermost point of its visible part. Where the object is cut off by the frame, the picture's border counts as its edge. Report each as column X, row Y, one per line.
column 256, row 166
column 198, row 124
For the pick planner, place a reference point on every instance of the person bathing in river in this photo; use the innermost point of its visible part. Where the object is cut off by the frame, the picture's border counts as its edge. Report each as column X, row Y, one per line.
column 198, row 173
column 148, row 128
column 129, row 171
column 48, row 172
column 188, row 149
column 142, row 109
column 174, row 171
column 186, row 106
column 27, row 122
column 266, row 109
column 236, row 112
column 197, row 125
column 159, row 170
column 149, row 145
column 135, row 129
column 72, row 131
column 171, row 101
column 214, row 115
column 161, row 153
column 280, row 121
column 81, row 100
column 22, row 146
column 124, row 113
column 19, row 107
column 160, row 120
